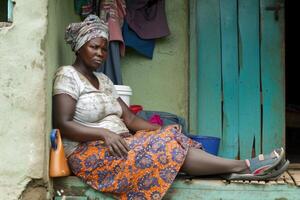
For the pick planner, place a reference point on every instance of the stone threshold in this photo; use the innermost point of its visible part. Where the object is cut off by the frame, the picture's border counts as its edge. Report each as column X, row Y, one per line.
column 287, row 187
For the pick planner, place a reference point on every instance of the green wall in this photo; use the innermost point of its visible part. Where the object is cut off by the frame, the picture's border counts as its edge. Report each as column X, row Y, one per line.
column 58, row 53
column 60, row 14
column 162, row 83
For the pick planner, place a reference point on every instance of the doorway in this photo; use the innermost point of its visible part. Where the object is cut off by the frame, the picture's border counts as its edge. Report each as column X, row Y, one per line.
column 237, row 74
column 292, row 81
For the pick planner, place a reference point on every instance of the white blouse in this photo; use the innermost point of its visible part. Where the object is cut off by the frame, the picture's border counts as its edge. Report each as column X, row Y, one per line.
column 95, row 107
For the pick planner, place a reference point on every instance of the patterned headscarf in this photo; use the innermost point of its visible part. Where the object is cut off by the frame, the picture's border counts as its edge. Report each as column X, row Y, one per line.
column 77, row 34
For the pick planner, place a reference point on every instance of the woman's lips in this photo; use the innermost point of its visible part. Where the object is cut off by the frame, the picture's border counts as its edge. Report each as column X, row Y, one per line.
column 98, row 61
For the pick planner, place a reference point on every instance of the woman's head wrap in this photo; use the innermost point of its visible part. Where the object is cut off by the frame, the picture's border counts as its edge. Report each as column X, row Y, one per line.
column 77, row 34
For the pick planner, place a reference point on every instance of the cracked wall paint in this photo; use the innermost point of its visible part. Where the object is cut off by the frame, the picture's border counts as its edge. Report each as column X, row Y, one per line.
column 22, row 98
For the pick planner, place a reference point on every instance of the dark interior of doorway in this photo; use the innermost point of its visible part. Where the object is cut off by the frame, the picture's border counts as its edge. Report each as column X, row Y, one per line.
column 292, row 70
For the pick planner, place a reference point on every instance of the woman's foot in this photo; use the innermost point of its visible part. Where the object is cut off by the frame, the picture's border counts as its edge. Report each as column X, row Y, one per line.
column 262, row 167
column 263, row 164
column 273, row 175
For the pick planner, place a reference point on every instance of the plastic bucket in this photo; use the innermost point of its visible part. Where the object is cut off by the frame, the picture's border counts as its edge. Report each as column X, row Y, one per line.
column 210, row 144
column 124, row 92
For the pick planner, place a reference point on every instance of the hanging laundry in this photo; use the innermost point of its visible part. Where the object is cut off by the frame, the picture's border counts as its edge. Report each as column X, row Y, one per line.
column 86, row 7
column 78, row 5
column 147, row 18
column 143, row 46
column 113, row 11
column 112, row 65
column 116, row 11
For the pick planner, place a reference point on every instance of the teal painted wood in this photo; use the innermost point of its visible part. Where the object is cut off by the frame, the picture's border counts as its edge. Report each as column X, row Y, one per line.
column 229, row 143
column 197, row 189
column 193, row 95
column 212, row 190
column 272, row 73
column 209, row 68
column 249, row 77
column 10, row 7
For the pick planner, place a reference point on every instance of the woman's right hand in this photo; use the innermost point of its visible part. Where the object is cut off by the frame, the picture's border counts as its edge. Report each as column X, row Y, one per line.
column 116, row 144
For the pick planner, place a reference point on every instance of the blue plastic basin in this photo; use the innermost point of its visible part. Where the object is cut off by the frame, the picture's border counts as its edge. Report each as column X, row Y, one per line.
column 210, row 144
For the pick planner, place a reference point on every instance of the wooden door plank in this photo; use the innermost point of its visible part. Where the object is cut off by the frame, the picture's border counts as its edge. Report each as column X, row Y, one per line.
column 229, row 46
column 272, row 75
column 209, row 68
column 249, row 81
column 193, row 94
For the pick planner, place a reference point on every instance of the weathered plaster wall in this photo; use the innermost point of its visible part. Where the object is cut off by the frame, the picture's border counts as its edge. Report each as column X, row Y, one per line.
column 22, row 98
column 162, row 83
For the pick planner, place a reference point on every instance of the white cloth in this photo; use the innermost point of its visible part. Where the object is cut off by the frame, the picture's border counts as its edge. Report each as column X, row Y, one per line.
column 95, row 107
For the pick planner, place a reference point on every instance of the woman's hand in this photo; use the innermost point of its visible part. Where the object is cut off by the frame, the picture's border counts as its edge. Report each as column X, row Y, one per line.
column 175, row 126
column 116, row 144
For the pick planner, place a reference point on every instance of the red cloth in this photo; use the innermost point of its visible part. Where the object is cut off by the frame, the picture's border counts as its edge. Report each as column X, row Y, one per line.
column 155, row 119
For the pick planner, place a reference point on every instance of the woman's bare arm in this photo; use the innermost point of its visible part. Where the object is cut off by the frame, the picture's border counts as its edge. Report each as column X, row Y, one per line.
column 63, row 113
column 133, row 122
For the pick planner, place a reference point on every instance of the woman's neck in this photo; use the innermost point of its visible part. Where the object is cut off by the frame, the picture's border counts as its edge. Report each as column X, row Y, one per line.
column 80, row 66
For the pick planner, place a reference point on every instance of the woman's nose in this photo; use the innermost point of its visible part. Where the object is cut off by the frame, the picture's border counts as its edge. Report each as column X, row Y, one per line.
column 99, row 52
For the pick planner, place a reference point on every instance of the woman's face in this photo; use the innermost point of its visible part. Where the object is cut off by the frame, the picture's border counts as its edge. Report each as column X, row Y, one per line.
column 93, row 53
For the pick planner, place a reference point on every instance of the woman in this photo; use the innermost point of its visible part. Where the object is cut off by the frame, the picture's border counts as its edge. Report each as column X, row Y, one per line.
column 113, row 150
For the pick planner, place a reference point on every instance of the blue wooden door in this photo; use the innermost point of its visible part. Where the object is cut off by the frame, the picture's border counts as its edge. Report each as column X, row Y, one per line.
column 237, row 74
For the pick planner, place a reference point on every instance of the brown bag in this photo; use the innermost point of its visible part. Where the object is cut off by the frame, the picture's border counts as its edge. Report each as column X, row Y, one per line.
column 58, row 162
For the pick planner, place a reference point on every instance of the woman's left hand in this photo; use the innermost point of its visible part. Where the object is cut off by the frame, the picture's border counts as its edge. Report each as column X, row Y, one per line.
column 175, row 126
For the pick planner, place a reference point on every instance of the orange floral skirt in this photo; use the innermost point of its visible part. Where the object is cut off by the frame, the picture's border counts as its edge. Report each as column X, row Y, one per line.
column 148, row 171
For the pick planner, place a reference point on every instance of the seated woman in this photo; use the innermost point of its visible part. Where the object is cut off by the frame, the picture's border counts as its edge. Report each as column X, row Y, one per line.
column 113, row 150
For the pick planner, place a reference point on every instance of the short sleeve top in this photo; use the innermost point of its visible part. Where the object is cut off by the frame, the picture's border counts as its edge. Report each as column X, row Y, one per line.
column 94, row 107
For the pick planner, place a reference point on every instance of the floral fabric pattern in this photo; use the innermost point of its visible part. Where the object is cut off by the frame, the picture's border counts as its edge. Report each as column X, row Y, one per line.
column 148, row 171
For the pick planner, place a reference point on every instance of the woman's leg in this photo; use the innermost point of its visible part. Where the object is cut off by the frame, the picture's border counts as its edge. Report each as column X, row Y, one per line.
column 198, row 162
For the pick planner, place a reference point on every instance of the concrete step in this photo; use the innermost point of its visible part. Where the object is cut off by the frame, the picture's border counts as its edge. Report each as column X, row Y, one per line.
column 186, row 188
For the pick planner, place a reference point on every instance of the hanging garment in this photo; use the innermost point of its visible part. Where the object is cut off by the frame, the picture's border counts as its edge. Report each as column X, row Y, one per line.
column 85, row 7
column 78, row 5
column 143, row 46
column 115, row 11
column 112, row 65
column 147, row 18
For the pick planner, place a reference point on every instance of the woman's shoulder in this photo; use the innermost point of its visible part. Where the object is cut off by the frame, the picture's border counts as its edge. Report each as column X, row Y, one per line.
column 66, row 73
column 65, row 70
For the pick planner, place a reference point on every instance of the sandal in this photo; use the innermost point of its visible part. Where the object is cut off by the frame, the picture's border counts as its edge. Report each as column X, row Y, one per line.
column 271, row 176
column 261, row 166
column 279, row 170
